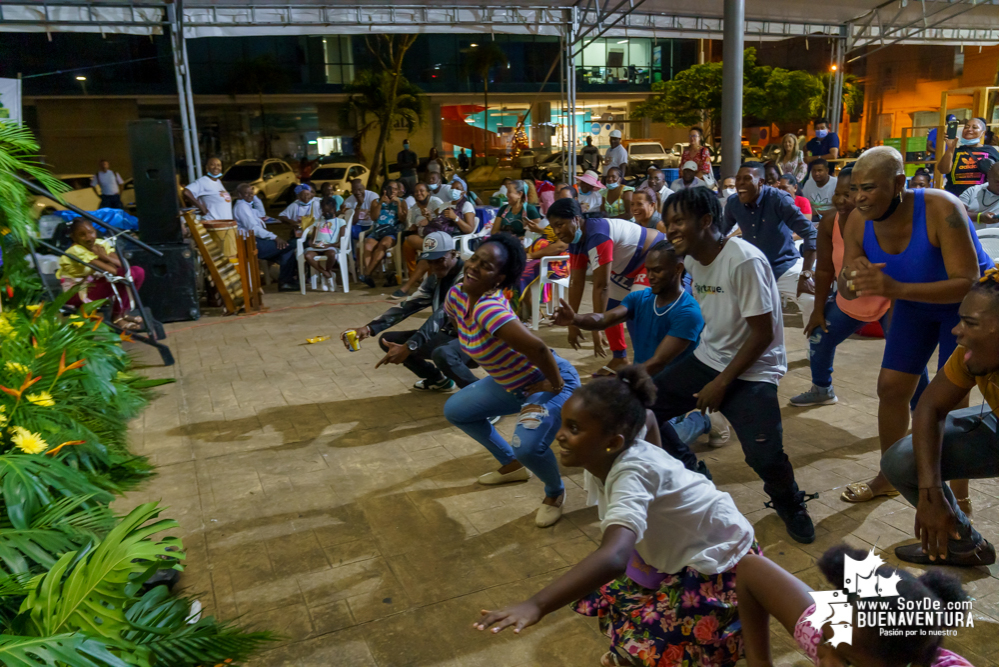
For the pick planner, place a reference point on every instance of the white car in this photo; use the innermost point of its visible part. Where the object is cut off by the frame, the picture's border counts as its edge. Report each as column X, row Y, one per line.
column 272, row 178
column 644, row 154
column 339, row 175
column 81, row 195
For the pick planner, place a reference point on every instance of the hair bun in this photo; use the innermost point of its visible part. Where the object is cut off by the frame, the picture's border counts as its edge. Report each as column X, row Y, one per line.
column 638, row 381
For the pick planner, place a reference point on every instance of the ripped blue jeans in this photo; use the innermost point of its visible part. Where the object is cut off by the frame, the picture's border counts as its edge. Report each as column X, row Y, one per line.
column 471, row 408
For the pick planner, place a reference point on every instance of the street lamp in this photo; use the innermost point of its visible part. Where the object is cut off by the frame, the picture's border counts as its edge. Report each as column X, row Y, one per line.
column 83, row 83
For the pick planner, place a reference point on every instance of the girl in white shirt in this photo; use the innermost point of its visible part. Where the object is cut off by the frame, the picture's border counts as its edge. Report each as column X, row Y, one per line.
column 671, row 540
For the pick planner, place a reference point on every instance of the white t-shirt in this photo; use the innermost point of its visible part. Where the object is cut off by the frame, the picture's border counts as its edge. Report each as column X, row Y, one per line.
column 979, row 199
column 739, row 283
column 590, row 201
column 821, row 198
column 416, row 217
column 678, row 184
column 362, row 217
column 296, row 210
column 680, row 518
column 108, row 181
column 214, row 196
column 618, row 158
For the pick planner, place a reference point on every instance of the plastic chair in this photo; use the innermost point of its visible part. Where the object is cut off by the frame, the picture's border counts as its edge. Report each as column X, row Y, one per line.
column 463, row 242
column 560, row 289
column 345, row 258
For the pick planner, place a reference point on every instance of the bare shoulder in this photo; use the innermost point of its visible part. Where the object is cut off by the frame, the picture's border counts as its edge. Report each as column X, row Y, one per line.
column 826, row 222
column 944, row 210
column 854, row 227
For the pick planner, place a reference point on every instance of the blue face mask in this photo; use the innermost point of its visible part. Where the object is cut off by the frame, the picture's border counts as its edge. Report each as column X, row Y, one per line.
column 821, row 134
column 578, row 235
column 456, row 195
column 613, row 186
column 215, row 176
column 969, row 142
column 434, row 187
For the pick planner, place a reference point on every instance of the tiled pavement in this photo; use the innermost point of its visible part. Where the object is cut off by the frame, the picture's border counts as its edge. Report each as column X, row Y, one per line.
column 332, row 503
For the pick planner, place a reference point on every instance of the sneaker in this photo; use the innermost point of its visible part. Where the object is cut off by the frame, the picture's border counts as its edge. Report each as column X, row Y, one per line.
column 398, row 295
column 494, row 420
column 443, row 385
column 702, row 468
column 332, row 285
column 288, row 287
column 719, row 434
column 959, row 553
column 367, row 280
column 391, row 281
column 798, row 523
column 815, row 396
column 324, row 284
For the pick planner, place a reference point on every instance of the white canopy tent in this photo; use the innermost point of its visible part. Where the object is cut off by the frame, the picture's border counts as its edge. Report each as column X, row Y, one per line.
column 858, row 26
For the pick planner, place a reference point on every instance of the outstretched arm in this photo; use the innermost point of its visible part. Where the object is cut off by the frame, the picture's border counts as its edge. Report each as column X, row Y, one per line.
column 765, row 589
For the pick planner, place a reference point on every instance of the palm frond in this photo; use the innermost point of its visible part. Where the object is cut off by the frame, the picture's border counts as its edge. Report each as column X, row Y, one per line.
column 27, row 483
column 65, row 650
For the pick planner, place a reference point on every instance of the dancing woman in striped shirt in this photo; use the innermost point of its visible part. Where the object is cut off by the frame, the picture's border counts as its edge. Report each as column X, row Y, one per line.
column 525, row 376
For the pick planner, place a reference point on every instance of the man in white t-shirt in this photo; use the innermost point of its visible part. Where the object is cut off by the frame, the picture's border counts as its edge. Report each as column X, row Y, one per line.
column 616, row 155
column 741, row 357
column 208, row 195
column 819, row 188
column 982, row 201
column 365, row 205
column 110, row 183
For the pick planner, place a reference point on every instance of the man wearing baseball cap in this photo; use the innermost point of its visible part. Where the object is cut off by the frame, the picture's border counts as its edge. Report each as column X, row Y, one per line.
column 688, row 178
column 436, row 340
column 616, row 155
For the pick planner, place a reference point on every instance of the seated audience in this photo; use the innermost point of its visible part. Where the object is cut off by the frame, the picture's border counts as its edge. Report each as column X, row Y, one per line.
column 765, row 589
column 616, row 196
column 670, row 547
column 819, row 187
column 323, row 238
column 366, row 205
column 644, row 209
column 303, row 211
column 383, row 233
column 982, row 200
column 270, row 247
column 94, row 286
column 512, row 217
column 590, row 199
column 921, row 179
column 688, row 178
column 789, row 184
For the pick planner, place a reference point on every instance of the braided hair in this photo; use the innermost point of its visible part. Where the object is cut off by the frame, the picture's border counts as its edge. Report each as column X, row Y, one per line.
column 619, row 402
column 696, row 203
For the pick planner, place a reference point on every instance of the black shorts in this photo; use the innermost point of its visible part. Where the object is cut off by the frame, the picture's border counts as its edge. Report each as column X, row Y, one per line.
column 378, row 233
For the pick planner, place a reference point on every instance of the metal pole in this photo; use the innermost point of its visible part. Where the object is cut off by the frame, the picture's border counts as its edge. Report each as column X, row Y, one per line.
column 571, row 86
column 178, row 67
column 193, row 123
column 731, row 143
column 561, row 101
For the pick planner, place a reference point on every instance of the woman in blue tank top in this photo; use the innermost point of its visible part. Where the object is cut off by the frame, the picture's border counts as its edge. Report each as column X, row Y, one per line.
column 918, row 248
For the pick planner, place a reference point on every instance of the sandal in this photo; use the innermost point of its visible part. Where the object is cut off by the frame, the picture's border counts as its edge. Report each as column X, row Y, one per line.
column 860, row 492
column 609, row 374
column 126, row 324
column 965, row 505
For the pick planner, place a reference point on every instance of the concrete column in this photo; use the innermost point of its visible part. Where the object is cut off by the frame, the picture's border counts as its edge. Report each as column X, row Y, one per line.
column 542, row 117
column 731, row 143
column 436, row 128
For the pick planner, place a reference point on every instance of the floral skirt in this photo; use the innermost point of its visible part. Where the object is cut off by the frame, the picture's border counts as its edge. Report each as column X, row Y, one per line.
column 691, row 620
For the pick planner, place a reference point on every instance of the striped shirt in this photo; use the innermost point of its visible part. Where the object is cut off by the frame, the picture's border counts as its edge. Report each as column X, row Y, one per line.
column 476, row 331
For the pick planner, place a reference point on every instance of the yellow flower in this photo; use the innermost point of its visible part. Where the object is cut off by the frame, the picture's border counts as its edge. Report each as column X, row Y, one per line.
column 28, row 442
column 42, row 398
column 35, row 308
column 15, row 367
column 77, row 323
column 3, row 416
column 5, row 326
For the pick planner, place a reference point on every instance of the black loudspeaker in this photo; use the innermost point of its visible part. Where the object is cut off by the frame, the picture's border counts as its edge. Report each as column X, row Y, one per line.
column 154, row 174
column 170, row 290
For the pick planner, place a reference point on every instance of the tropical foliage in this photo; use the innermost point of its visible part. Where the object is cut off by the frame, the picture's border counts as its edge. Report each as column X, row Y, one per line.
column 74, row 578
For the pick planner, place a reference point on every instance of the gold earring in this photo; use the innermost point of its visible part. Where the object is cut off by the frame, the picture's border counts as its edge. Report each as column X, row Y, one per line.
column 610, row 449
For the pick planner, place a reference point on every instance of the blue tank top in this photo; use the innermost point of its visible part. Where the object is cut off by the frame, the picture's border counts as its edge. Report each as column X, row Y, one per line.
column 921, row 261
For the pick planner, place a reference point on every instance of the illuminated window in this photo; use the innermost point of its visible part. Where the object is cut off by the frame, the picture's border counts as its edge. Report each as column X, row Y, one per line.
column 338, row 57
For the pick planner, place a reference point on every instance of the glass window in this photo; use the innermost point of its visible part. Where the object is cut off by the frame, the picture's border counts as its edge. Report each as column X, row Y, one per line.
column 328, row 173
column 338, row 57
column 242, row 172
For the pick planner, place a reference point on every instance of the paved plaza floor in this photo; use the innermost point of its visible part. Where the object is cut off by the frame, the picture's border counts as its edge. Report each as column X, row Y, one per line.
column 332, row 503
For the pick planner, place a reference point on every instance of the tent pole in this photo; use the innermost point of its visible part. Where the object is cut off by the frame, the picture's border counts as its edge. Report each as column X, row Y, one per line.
column 732, row 68
column 178, row 68
column 571, row 89
column 192, row 119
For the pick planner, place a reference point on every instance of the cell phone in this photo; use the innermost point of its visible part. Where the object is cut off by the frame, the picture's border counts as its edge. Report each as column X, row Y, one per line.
column 952, row 129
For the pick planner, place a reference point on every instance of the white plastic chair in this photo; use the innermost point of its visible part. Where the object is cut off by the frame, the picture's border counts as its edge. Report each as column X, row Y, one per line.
column 345, row 258
column 464, row 241
column 560, row 289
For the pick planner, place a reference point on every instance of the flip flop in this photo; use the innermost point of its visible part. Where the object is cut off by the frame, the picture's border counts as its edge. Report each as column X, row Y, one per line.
column 609, row 374
column 860, row 492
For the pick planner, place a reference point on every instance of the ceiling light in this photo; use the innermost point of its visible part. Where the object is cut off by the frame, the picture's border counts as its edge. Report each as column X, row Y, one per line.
column 623, row 41
column 474, row 45
column 81, row 78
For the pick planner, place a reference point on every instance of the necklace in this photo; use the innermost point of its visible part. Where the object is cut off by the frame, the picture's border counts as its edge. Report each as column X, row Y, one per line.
column 656, row 310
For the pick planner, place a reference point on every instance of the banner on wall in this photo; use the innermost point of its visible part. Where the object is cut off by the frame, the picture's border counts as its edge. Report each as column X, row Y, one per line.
column 10, row 100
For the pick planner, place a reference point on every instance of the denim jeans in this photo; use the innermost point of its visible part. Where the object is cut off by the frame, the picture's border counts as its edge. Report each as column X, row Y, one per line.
column 754, row 412
column 970, row 451
column 691, row 426
column 449, row 360
column 471, row 407
column 822, row 346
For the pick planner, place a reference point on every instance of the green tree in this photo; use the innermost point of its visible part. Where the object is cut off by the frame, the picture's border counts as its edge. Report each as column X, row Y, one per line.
column 385, row 94
column 382, row 101
column 480, row 60
column 793, row 95
column 853, row 95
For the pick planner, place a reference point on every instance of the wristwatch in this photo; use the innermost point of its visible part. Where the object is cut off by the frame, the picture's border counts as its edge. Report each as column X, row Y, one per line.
column 806, row 274
column 412, row 345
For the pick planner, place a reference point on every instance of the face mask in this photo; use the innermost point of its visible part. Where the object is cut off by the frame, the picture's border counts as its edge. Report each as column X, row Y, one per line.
column 215, row 176
column 728, row 192
column 613, row 186
column 405, row 147
column 456, row 195
column 821, row 134
column 578, row 236
column 434, row 187
column 969, row 142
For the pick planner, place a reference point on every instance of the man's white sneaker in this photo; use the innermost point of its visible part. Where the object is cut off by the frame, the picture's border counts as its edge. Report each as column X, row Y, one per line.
column 719, row 434
column 495, row 477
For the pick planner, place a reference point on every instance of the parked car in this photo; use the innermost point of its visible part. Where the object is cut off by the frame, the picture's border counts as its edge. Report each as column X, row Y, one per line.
column 273, row 179
column 339, row 175
column 770, row 152
column 644, row 154
column 747, row 156
column 81, row 195
column 555, row 165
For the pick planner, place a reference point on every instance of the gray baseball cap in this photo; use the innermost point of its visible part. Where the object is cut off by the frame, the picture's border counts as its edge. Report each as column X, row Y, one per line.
column 436, row 245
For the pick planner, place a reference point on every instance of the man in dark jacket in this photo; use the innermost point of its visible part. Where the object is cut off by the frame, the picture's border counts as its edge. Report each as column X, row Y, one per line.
column 436, row 340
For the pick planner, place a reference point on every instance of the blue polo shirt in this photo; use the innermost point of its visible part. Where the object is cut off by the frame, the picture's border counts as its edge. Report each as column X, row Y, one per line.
column 819, row 147
column 769, row 224
column 681, row 319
